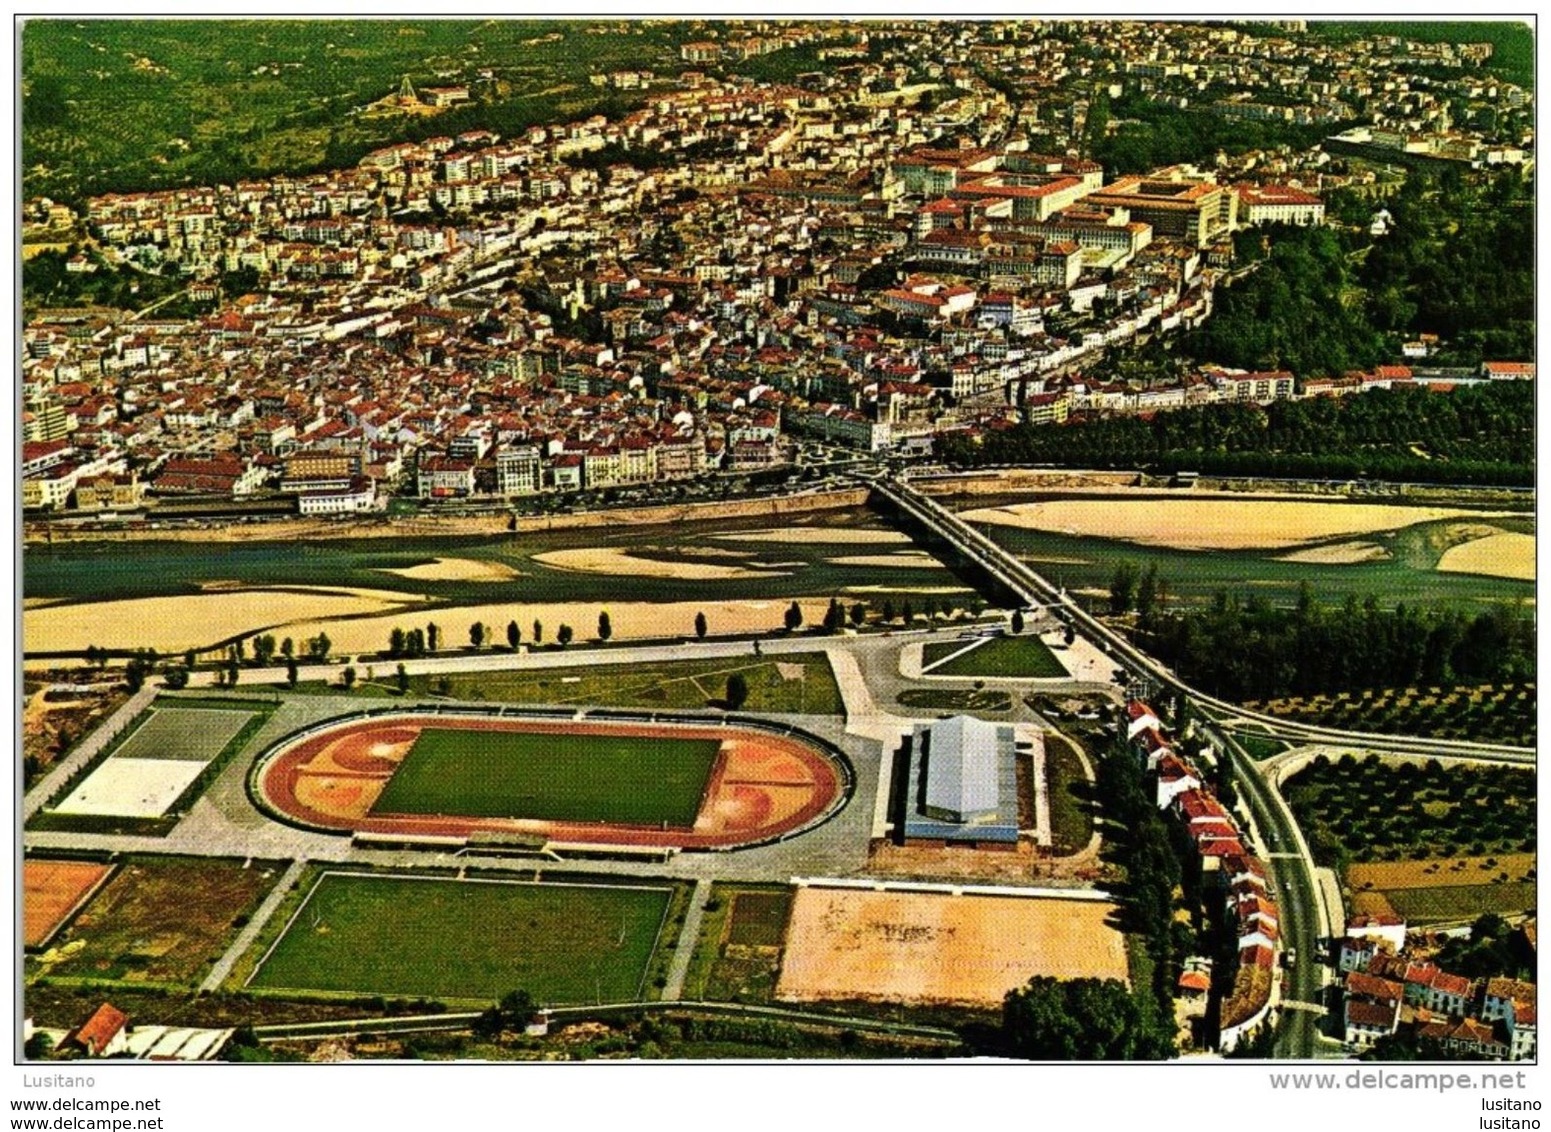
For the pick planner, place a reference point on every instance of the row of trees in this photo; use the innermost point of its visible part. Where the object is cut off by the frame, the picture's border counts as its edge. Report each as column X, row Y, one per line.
column 1476, row 434
column 1248, row 649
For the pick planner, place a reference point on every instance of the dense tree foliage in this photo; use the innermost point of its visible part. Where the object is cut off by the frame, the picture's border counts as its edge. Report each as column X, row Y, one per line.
column 1154, row 133
column 1140, row 843
column 1480, row 434
column 1079, row 1020
column 130, row 105
column 1458, row 262
column 1297, row 311
column 1249, row 649
column 1492, row 948
column 48, row 282
column 1366, row 809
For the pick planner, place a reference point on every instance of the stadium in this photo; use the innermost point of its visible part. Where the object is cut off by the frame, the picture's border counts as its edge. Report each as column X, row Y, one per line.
column 474, row 775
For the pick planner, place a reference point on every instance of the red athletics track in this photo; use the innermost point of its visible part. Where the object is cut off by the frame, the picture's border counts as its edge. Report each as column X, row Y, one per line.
column 761, row 785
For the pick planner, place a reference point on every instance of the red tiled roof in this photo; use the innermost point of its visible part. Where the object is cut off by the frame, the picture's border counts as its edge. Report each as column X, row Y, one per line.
column 101, row 1028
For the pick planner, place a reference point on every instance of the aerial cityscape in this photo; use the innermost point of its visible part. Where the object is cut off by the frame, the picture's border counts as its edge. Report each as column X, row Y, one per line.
column 693, row 539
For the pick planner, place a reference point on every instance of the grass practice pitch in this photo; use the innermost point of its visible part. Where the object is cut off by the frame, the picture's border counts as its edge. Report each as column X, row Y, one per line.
column 472, row 940
column 556, row 777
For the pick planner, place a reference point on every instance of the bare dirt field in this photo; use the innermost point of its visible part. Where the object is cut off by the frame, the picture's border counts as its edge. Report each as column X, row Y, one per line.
column 49, row 727
column 931, row 947
column 52, row 891
column 458, row 570
column 171, row 624
column 1503, row 555
column 613, row 560
column 1217, row 523
column 1023, row 864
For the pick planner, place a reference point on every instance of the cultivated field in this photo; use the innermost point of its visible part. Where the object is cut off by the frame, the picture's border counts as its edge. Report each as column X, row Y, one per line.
column 1217, row 523
column 624, row 779
column 1446, row 889
column 52, row 891
column 468, row 940
column 1495, row 713
column 161, row 920
column 929, row 947
column 1356, row 810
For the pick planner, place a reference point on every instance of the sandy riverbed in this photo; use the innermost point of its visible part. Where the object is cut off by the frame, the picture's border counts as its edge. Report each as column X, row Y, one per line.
column 1503, row 555
column 864, row 537
column 1337, row 554
column 176, row 623
column 613, row 560
column 172, row 624
column 1215, row 524
column 910, row 559
column 457, row 570
column 628, row 620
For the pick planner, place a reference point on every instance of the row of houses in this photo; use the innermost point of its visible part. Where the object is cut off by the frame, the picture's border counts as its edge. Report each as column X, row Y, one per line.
column 1386, row 992
column 1239, row 876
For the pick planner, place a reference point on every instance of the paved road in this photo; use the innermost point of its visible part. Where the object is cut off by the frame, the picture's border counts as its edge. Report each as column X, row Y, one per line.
column 1303, row 918
column 689, row 935
column 250, row 930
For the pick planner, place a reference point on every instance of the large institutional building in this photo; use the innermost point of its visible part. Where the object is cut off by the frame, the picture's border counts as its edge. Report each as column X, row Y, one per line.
column 962, row 786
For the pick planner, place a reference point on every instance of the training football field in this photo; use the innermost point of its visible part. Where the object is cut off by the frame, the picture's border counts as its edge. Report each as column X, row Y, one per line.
column 467, row 939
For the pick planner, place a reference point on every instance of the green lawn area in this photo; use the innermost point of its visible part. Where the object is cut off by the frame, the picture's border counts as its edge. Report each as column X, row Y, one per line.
column 602, row 778
column 1462, row 902
column 1258, row 747
column 1071, row 821
column 470, row 940
column 799, row 682
column 1000, row 656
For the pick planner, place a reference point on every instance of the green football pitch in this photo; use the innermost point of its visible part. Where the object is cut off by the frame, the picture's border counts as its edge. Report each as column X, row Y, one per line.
column 623, row 779
column 474, row 940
